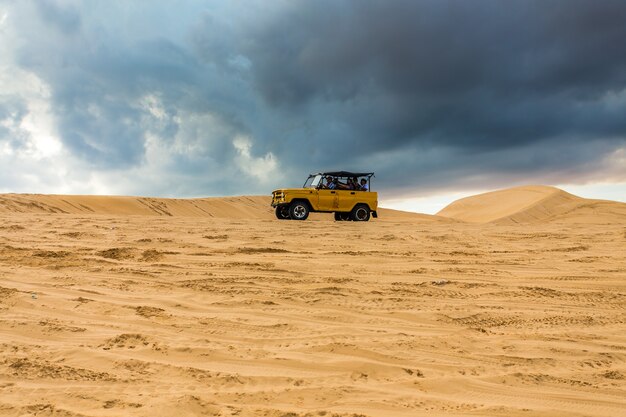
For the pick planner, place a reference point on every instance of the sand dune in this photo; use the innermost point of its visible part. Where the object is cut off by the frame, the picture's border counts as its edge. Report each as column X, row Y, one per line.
column 239, row 207
column 533, row 204
column 210, row 311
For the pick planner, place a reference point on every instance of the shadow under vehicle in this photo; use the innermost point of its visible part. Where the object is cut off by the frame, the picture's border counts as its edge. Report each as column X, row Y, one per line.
column 346, row 198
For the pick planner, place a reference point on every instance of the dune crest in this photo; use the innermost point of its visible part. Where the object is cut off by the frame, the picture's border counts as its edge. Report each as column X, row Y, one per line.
column 533, row 204
column 233, row 207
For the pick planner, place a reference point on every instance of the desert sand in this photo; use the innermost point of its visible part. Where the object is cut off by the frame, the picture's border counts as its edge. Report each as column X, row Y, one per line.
column 510, row 303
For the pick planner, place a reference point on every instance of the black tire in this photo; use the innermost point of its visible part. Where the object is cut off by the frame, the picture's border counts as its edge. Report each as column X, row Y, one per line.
column 342, row 217
column 360, row 213
column 282, row 213
column 299, row 210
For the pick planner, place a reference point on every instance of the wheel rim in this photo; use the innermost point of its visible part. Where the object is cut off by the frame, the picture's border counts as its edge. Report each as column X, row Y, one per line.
column 284, row 212
column 299, row 211
column 361, row 214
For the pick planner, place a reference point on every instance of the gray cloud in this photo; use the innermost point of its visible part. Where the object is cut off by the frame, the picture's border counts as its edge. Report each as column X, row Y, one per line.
column 64, row 17
column 12, row 113
column 472, row 73
column 426, row 93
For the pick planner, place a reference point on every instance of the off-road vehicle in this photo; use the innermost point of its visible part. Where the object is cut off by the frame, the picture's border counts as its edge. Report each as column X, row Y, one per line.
column 346, row 194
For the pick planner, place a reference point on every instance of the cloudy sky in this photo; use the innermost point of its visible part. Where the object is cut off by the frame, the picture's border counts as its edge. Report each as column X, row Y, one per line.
column 207, row 98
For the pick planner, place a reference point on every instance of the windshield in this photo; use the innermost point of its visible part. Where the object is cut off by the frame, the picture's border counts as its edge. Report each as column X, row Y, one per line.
column 313, row 181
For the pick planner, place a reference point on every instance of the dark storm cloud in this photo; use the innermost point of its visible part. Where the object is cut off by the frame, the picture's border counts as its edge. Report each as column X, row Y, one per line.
column 484, row 74
column 426, row 93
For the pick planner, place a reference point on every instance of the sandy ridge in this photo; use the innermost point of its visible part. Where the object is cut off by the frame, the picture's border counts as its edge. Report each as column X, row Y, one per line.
column 533, row 204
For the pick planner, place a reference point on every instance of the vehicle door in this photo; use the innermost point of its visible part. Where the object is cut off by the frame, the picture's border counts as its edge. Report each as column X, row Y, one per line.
column 346, row 199
column 327, row 199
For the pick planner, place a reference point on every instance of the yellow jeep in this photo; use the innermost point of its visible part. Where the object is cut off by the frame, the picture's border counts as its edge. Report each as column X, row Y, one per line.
column 347, row 194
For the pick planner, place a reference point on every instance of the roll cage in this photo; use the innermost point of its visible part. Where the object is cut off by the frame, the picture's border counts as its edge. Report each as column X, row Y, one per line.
column 317, row 180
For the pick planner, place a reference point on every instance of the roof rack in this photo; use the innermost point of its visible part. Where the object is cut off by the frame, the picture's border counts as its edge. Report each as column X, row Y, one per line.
column 347, row 174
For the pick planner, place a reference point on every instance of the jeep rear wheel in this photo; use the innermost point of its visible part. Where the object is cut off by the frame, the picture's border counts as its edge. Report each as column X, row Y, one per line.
column 299, row 210
column 282, row 212
column 360, row 213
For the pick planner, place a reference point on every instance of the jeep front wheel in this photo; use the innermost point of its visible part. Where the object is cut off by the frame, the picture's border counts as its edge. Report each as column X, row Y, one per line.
column 360, row 213
column 282, row 212
column 299, row 210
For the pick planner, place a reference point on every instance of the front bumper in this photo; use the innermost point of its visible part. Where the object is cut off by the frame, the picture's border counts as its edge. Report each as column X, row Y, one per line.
column 278, row 198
